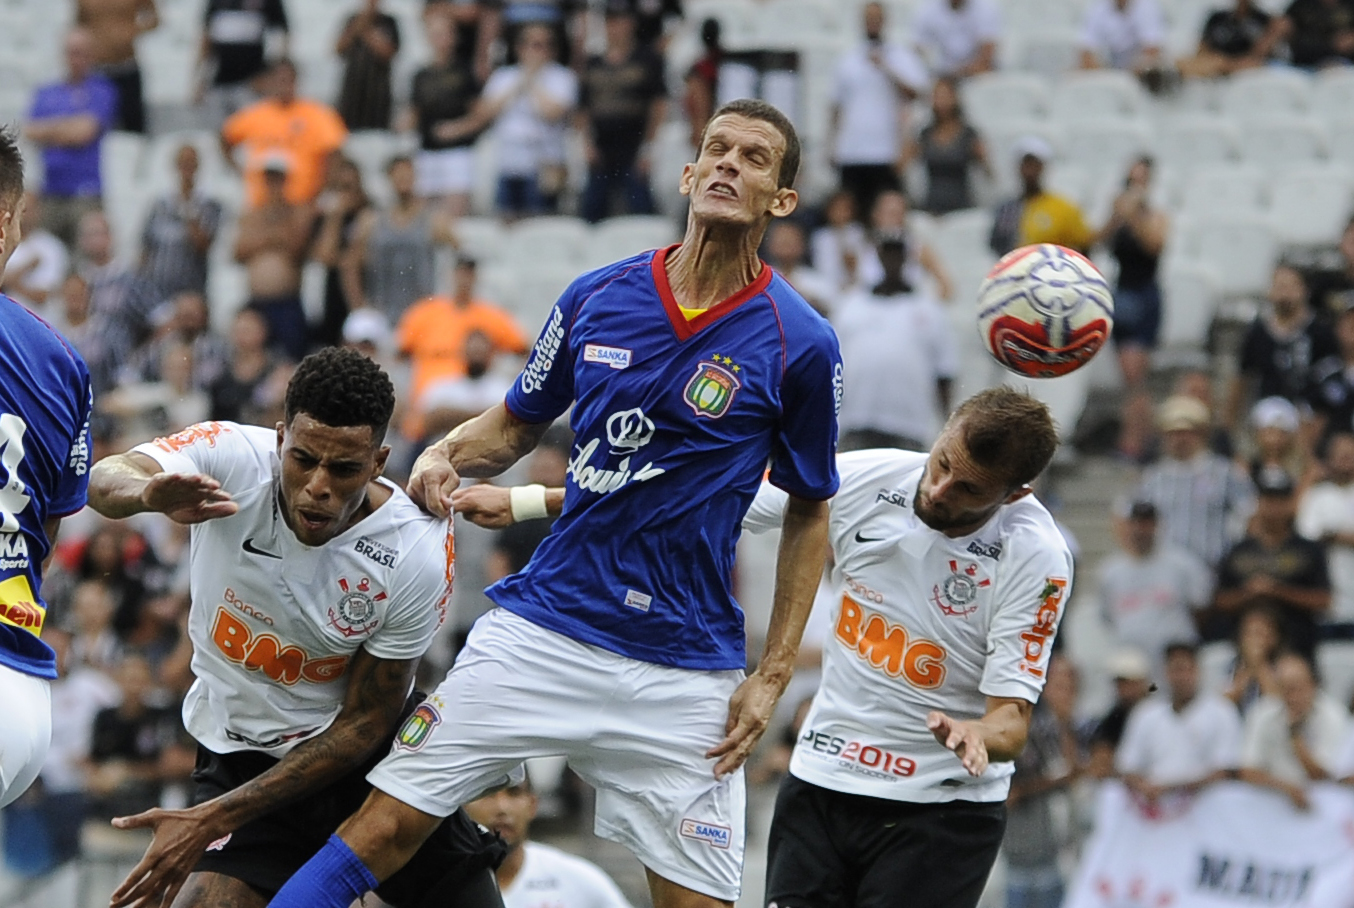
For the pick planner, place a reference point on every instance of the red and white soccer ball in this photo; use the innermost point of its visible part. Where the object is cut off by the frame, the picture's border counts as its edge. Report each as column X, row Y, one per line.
column 1044, row 311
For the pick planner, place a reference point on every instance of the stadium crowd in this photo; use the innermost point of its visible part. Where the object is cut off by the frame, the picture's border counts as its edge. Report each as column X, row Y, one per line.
column 1232, row 587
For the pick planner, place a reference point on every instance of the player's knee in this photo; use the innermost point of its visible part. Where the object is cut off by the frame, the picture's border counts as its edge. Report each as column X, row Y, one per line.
column 386, row 832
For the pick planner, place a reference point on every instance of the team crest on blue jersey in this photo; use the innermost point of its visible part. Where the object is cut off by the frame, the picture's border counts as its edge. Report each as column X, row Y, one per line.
column 711, row 390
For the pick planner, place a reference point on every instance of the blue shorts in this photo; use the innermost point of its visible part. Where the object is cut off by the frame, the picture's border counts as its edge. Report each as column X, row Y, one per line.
column 1137, row 315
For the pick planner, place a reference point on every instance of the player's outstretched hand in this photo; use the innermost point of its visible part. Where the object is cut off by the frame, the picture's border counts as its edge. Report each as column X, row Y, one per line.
column 484, row 505
column 432, row 482
column 961, row 737
column 750, row 709
column 180, row 838
column 187, row 497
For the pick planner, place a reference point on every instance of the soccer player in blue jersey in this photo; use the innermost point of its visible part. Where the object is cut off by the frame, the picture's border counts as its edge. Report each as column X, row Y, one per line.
column 44, row 460
column 620, row 645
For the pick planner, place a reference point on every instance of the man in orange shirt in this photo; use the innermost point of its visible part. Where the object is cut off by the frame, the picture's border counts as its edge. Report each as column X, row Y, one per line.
column 432, row 334
column 305, row 132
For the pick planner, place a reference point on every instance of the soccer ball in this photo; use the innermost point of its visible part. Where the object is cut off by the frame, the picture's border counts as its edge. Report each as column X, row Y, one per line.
column 1044, row 311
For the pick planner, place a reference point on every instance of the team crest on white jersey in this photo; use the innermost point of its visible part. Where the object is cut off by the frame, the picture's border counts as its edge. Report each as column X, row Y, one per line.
column 957, row 594
column 711, row 391
column 355, row 613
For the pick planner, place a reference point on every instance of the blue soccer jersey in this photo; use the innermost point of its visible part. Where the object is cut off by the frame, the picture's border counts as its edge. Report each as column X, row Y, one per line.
column 45, row 401
column 675, row 424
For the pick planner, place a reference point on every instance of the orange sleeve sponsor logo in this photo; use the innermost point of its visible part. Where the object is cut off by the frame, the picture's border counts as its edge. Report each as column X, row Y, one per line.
column 1039, row 637
column 203, row 431
column 281, row 662
column 19, row 607
column 889, row 648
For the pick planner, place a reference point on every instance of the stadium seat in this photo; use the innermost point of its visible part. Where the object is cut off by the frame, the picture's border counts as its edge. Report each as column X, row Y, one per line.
column 1004, row 97
column 1242, row 252
column 1335, row 662
column 1049, row 50
column 1001, row 143
column 1267, row 90
column 1309, row 206
column 545, row 242
column 1281, row 142
column 619, row 238
column 1189, row 301
column 1222, row 189
column 1106, row 145
column 1333, row 93
column 480, row 238
column 1096, row 95
column 538, row 290
column 1188, row 141
column 1341, row 134
column 1066, row 13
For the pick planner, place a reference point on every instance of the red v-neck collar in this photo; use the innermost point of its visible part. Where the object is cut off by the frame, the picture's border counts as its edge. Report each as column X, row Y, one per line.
column 687, row 328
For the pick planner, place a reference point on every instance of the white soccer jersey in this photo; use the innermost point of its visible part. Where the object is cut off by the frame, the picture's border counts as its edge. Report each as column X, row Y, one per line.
column 551, row 878
column 926, row 622
column 275, row 622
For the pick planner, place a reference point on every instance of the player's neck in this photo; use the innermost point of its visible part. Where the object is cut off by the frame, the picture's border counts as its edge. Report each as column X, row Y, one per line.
column 712, row 265
column 511, row 866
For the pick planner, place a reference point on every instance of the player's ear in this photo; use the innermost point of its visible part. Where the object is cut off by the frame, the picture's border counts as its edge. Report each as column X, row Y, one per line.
column 382, row 456
column 1018, row 494
column 281, row 435
column 688, row 179
column 784, row 203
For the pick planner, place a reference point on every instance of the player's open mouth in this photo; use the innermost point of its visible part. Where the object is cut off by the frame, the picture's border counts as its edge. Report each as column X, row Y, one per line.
column 723, row 189
column 312, row 520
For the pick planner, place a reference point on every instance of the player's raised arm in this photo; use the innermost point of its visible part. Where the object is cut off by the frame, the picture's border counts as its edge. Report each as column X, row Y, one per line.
column 478, row 448
column 131, row 483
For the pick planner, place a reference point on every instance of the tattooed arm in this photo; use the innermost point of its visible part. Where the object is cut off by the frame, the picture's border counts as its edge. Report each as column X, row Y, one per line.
column 377, row 689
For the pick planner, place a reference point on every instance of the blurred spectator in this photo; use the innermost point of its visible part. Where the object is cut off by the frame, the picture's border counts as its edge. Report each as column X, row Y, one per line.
column 871, row 91
column 655, row 22
column 785, row 252
column 565, row 21
column 442, row 96
column 434, row 332
column 92, row 608
column 1275, row 422
column 1198, row 384
column 949, row 148
column 1180, row 742
column 179, row 232
column 38, row 264
column 1136, row 234
column 1132, row 677
column 115, row 25
column 958, row 38
column 622, row 102
column 889, row 217
column 702, row 82
column 121, row 303
column 231, row 55
column 515, row 544
column 367, row 45
column 300, row 132
column 529, row 104
column 1241, row 37
column 1149, row 592
column 1202, row 498
column 389, row 264
column 1281, row 346
column 1332, row 386
column 1259, row 638
column 255, row 377
column 1326, row 514
column 839, row 245
column 1037, row 216
column 1122, row 34
column 129, row 745
column 188, row 331
column 68, row 120
column 339, row 206
column 893, row 337
column 1319, row 32
column 1051, row 761
column 271, row 243
column 470, row 36
column 1294, row 739
column 76, row 323
column 1333, row 291
column 1272, row 566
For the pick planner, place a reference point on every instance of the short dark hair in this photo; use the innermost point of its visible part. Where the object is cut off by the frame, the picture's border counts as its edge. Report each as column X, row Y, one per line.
column 1007, row 432
column 338, row 386
column 11, row 169
column 755, row 109
column 1181, row 647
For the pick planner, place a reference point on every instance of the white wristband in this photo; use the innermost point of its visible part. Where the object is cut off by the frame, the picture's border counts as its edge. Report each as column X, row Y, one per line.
column 527, row 502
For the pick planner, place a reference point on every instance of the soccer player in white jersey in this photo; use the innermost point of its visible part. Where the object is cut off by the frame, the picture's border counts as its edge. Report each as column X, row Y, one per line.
column 316, row 588
column 620, row 646
column 535, row 875
column 954, row 582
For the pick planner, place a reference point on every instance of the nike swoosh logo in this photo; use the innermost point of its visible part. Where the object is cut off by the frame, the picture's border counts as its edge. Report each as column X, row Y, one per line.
column 249, row 547
column 860, row 538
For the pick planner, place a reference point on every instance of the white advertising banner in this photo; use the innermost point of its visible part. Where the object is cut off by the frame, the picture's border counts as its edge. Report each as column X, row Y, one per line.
column 1233, row 846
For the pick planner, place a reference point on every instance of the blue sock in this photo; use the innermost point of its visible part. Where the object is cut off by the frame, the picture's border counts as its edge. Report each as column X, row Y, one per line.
column 333, row 878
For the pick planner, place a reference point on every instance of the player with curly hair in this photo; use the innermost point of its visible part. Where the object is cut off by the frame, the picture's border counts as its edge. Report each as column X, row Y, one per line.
column 316, row 588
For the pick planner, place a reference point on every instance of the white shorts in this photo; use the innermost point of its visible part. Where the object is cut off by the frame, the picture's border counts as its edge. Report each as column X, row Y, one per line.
column 25, row 730
column 636, row 731
column 450, row 171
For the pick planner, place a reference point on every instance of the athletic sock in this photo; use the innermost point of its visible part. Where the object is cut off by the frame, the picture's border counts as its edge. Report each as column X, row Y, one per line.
column 333, row 878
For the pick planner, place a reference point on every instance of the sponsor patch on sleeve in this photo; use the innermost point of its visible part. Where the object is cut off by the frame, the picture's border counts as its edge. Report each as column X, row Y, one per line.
column 615, row 357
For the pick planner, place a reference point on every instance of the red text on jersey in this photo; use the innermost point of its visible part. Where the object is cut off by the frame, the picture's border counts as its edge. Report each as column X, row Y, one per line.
column 203, row 431
column 889, row 648
column 1037, row 638
column 281, row 662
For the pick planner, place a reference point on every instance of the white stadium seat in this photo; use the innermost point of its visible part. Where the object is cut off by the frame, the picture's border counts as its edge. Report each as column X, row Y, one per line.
column 1341, row 135
column 1005, row 96
column 1222, row 189
column 1048, row 50
column 1335, row 662
column 1106, row 144
column 1279, row 142
column 1309, row 206
column 1099, row 94
column 1241, row 251
column 480, row 238
column 544, row 242
column 1267, row 90
column 1189, row 301
column 1333, row 93
column 1188, row 141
